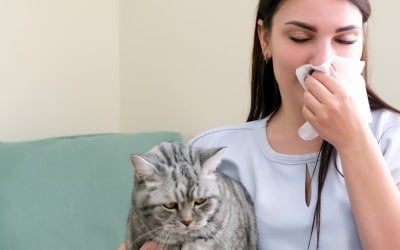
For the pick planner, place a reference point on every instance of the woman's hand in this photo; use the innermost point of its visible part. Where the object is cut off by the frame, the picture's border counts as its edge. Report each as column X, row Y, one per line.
column 146, row 246
column 331, row 109
column 149, row 245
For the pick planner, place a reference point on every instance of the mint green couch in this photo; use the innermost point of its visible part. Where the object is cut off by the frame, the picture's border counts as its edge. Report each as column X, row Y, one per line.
column 69, row 193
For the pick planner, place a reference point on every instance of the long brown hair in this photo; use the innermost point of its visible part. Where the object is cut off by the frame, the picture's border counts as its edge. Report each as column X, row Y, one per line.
column 266, row 98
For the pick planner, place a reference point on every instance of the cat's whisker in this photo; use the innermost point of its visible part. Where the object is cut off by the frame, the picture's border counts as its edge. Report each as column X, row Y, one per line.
column 144, row 235
column 165, row 236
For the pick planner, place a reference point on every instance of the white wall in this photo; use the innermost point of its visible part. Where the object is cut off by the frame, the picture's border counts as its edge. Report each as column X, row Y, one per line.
column 59, row 68
column 92, row 66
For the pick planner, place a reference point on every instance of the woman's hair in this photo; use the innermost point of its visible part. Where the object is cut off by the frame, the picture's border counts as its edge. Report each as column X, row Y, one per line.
column 266, row 98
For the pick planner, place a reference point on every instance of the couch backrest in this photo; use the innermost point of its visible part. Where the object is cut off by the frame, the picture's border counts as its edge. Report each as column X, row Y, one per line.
column 69, row 193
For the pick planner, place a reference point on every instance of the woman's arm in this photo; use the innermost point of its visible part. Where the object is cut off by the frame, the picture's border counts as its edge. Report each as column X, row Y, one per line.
column 374, row 195
column 147, row 246
column 122, row 247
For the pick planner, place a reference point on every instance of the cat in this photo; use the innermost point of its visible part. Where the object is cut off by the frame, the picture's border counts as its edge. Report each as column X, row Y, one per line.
column 180, row 201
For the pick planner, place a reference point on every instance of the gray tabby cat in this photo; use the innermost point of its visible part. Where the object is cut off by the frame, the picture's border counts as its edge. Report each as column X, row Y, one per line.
column 180, row 201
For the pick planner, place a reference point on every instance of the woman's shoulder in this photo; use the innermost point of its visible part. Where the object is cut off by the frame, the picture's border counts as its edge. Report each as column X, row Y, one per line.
column 386, row 128
column 226, row 135
column 384, row 121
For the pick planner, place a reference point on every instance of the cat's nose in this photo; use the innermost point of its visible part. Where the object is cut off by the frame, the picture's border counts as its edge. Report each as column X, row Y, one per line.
column 186, row 222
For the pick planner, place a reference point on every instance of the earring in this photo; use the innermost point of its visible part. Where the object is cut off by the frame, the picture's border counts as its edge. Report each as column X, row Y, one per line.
column 267, row 57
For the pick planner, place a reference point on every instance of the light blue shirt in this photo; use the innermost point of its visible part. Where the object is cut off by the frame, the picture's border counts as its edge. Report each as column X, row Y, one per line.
column 276, row 183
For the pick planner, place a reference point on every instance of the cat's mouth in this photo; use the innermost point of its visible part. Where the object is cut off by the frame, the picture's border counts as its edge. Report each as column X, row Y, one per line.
column 188, row 230
column 185, row 231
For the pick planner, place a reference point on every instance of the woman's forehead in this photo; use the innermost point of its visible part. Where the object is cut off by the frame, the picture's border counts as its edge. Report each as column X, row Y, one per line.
column 335, row 13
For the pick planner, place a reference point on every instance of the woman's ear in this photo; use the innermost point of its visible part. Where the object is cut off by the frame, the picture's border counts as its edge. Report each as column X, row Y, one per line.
column 263, row 36
column 365, row 27
column 365, row 31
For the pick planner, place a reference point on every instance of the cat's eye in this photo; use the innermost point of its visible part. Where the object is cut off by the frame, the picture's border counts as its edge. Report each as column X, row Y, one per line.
column 170, row 205
column 199, row 201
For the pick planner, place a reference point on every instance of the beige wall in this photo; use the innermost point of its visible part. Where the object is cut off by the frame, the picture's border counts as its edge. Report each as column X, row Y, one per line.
column 186, row 64
column 59, row 68
column 85, row 66
column 385, row 49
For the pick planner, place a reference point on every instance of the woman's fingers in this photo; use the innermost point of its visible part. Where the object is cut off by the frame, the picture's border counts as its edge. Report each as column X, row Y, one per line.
column 149, row 245
column 316, row 84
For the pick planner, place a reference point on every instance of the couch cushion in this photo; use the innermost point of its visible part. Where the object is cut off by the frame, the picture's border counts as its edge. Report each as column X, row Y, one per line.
column 69, row 192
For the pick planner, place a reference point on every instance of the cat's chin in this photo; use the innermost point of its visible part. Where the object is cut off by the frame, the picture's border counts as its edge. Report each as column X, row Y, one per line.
column 184, row 231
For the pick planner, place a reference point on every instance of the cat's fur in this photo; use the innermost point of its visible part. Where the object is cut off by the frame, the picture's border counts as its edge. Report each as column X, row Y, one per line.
column 180, row 201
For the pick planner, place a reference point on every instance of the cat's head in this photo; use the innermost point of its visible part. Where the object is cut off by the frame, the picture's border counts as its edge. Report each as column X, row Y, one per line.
column 176, row 186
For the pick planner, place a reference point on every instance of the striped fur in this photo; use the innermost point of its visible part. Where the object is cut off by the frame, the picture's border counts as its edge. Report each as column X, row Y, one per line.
column 181, row 202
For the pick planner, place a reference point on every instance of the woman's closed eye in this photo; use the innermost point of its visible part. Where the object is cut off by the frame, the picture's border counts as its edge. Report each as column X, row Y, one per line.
column 299, row 37
column 346, row 42
column 347, row 39
column 305, row 39
column 344, row 39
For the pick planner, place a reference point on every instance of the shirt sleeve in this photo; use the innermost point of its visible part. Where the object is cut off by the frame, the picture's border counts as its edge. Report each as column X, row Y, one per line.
column 390, row 146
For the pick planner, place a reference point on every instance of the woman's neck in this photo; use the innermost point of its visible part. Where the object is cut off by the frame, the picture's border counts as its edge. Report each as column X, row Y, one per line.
column 282, row 133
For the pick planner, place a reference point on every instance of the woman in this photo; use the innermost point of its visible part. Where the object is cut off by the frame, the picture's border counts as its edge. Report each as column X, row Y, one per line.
column 341, row 189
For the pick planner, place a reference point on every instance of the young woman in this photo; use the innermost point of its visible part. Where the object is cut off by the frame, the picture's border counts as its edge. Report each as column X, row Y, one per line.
column 341, row 189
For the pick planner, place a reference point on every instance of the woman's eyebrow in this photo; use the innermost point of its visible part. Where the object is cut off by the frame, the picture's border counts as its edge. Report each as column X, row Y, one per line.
column 346, row 28
column 314, row 29
column 302, row 25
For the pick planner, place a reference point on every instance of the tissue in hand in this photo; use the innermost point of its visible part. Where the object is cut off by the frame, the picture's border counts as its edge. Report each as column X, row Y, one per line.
column 349, row 72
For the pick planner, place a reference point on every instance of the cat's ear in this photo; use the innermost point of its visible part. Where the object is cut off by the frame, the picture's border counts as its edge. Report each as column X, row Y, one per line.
column 144, row 170
column 214, row 158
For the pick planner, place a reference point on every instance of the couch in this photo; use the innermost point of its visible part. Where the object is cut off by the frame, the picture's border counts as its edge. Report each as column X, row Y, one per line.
column 71, row 192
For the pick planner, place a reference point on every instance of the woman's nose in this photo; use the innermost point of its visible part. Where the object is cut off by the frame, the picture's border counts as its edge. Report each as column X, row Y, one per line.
column 321, row 52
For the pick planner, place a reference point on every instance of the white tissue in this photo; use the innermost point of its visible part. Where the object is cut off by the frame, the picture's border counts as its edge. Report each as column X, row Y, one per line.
column 349, row 72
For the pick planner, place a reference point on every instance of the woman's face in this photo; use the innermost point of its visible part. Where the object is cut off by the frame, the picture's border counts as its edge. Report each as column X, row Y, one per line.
column 309, row 32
